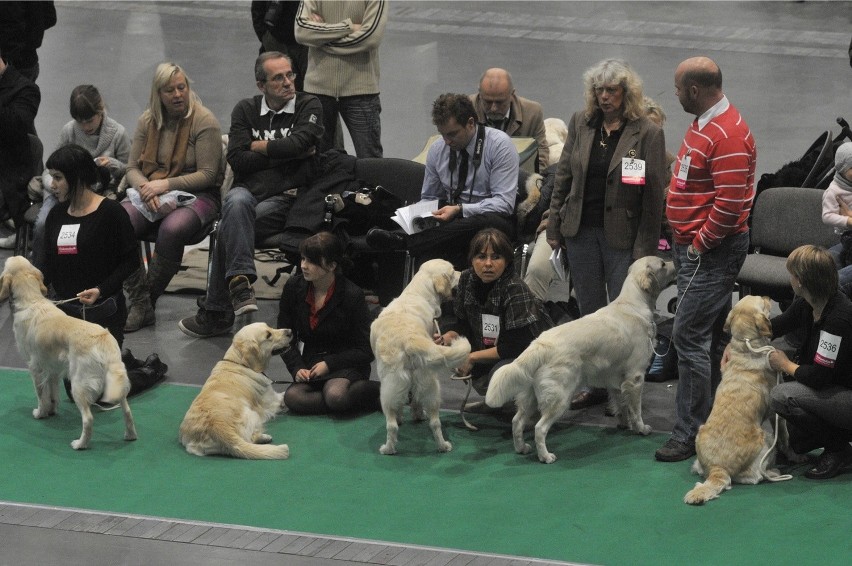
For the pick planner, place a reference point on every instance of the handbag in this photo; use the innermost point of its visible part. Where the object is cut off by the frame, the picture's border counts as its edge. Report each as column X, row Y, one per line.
column 366, row 208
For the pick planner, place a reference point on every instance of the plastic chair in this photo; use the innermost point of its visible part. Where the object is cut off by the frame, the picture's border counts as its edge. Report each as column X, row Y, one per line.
column 783, row 219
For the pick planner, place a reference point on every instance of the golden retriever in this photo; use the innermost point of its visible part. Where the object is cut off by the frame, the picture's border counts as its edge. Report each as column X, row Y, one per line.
column 228, row 415
column 610, row 348
column 58, row 346
column 408, row 361
column 732, row 445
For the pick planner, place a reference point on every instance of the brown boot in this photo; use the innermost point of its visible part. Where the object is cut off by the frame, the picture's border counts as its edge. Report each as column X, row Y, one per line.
column 140, row 312
column 160, row 273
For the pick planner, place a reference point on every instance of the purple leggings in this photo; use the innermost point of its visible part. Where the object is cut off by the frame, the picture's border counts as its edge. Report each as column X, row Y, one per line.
column 174, row 231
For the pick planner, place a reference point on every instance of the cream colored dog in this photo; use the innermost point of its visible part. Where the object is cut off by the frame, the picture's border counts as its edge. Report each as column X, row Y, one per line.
column 57, row 346
column 609, row 348
column 237, row 399
column 408, row 361
column 732, row 445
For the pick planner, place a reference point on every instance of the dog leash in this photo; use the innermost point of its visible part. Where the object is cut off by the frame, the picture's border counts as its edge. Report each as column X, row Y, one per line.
column 456, row 377
column 82, row 310
column 677, row 307
column 773, row 477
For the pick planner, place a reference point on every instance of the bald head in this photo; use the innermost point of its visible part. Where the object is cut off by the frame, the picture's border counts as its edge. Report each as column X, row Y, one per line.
column 495, row 93
column 698, row 84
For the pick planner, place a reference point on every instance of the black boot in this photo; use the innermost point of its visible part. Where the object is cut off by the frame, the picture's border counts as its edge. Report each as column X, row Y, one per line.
column 129, row 361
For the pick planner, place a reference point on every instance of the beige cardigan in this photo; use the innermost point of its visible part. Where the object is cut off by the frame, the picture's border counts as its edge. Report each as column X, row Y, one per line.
column 203, row 167
column 342, row 62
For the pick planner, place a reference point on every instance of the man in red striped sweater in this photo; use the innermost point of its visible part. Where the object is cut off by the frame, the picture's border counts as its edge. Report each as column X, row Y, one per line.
column 707, row 207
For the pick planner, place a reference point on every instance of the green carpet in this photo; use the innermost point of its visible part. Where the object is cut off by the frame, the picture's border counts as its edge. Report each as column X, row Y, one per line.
column 604, row 501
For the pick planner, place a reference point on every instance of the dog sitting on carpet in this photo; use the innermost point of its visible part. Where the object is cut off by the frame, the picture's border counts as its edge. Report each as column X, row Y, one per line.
column 408, row 361
column 732, row 445
column 58, row 346
column 228, row 415
column 609, row 348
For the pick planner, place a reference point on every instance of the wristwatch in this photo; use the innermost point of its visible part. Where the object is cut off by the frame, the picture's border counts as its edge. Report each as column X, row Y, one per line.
column 461, row 213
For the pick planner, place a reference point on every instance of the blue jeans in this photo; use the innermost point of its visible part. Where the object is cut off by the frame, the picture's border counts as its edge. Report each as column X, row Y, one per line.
column 244, row 221
column 362, row 116
column 598, row 270
column 703, row 304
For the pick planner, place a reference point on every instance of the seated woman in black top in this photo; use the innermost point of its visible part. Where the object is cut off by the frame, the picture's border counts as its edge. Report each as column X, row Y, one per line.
column 818, row 403
column 328, row 314
column 89, row 250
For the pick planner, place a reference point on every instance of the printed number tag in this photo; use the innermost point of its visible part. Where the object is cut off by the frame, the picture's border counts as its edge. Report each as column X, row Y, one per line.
column 826, row 354
column 632, row 171
column 683, row 171
column 66, row 243
column 490, row 330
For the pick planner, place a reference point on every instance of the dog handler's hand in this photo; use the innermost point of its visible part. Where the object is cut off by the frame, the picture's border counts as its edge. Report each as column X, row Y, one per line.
column 303, row 375
column 89, row 296
column 320, row 369
column 779, row 361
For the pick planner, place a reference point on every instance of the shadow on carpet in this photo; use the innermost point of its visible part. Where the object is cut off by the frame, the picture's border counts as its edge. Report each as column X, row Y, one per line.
column 605, row 500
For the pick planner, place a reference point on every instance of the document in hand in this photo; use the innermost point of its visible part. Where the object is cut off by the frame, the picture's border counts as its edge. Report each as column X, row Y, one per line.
column 556, row 262
column 406, row 216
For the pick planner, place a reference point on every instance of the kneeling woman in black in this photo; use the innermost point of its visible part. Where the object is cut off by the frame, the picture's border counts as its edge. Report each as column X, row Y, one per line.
column 328, row 314
column 89, row 250
column 817, row 404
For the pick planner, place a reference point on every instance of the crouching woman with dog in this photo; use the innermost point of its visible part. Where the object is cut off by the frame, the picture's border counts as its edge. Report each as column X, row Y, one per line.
column 327, row 313
column 817, row 404
column 496, row 310
column 89, row 250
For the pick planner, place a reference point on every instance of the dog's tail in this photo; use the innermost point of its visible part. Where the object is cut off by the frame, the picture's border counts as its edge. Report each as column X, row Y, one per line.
column 116, row 383
column 512, row 378
column 421, row 351
column 250, row 451
column 718, row 480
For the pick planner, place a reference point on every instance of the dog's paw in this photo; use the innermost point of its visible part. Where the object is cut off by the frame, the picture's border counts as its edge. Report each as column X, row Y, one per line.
column 525, row 449
column 548, row 458
column 445, row 447
column 263, row 439
column 39, row 414
column 644, row 430
column 130, row 435
column 79, row 445
column 387, row 450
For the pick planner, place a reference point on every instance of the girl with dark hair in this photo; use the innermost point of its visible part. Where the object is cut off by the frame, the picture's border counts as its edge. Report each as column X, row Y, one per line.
column 89, row 249
column 495, row 309
column 97, row 133
column 328, row 315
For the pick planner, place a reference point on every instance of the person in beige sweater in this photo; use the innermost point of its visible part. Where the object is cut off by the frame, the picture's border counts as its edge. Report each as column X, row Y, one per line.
column 177, row 147
column 343, row 67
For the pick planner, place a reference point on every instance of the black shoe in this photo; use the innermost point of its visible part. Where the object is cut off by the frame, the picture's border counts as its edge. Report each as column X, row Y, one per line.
column 130, row 362
column 379, row 239
column 830, row 464
column 153, row 362
column 207, row 323
column 242, row 295
column 675, row 451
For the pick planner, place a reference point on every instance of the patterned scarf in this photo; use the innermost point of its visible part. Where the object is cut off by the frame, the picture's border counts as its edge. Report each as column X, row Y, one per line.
column 150, row 167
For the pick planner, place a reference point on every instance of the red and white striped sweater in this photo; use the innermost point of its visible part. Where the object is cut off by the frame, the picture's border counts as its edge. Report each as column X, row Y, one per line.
column 716, row 198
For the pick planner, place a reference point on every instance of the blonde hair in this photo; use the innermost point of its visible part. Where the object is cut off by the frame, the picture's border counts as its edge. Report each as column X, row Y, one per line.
column 654, row 111
column 162, row 76
column 815, row 269
column 614, row 71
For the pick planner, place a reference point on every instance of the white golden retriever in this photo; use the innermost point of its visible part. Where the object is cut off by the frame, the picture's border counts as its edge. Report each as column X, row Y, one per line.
column 58, row 346
column 237, row 399
column 732, row 445
column 408, row 361
column 610, row 348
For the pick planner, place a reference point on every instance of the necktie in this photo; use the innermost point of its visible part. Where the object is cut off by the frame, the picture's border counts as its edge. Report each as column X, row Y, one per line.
column 462, row 171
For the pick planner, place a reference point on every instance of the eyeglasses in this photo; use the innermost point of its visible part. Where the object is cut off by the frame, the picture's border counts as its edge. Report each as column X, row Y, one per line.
column 278, row 79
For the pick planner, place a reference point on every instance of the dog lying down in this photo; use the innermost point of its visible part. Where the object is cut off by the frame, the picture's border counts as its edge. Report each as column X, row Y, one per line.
column 609, row 348
column 57, row 346
column 732, row 445
column 228, row 415
column 408, row 362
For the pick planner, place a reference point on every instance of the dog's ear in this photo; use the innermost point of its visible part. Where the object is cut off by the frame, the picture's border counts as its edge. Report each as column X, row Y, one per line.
column 728, row 320
column 648, row 280
column 762, row 324
column 5, row 287
column 443, row 284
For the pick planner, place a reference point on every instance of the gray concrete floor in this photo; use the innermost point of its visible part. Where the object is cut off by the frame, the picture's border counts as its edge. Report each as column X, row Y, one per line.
column 785, row 66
